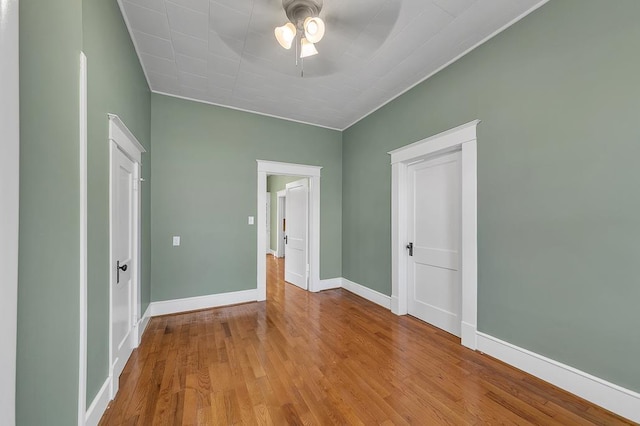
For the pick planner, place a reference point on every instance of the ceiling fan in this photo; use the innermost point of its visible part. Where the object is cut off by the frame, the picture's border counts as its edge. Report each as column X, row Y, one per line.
column 303, row 20
column 304, row 29
column 345, row 32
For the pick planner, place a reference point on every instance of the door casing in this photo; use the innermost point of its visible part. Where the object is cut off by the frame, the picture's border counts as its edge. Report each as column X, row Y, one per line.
column 288, row 169
column 462, row 138
column 120, row 137
column 10, row 201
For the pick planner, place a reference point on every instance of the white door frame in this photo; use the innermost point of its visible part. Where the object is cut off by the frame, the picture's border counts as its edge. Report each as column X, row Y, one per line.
column 288, row 169
column 267, row 222
column 464, row 139
column 120, row 137
column 281, row 200
column 10, row 200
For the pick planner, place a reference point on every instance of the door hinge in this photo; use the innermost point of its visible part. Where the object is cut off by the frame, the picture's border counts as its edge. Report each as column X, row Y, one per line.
column 410, row 247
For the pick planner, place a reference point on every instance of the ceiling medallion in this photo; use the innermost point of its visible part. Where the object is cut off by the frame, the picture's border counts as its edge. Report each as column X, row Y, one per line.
column 304, row 29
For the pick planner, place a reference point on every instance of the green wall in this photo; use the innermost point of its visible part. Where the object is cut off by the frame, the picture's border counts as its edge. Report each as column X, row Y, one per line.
column 48, row 282
column 196, row 149
column 559, row 97
column 117, row 85
column 274, row 184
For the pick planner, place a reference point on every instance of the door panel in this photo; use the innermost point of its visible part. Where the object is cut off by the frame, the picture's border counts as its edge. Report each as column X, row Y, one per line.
column 296, row 246
column 434, row 228
column 122, row 285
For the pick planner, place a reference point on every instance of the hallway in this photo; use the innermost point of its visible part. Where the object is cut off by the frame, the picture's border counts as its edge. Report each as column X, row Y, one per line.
column 324, row 358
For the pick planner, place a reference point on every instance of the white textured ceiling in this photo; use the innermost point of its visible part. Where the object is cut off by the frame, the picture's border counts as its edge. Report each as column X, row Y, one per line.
column 224, row 52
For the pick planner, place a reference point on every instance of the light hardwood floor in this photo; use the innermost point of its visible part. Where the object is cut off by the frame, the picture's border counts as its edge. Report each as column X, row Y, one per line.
column 326, row 358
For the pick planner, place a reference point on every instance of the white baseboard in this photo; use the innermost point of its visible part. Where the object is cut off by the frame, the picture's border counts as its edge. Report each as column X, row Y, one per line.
column 166, row 307
column 469, row 335
column 273, row 253
column 614, row 398
column 371, row 295
column 329, row 284
column 144, row 322
column 99, row 405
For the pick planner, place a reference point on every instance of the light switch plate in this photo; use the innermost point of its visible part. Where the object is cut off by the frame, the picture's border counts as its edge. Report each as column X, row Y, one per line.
column 251, row 220
column 176, row 240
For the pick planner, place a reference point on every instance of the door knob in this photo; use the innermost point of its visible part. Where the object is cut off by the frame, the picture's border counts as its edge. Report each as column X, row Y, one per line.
column 119, row 268
column 286, row 239
column 410, row 247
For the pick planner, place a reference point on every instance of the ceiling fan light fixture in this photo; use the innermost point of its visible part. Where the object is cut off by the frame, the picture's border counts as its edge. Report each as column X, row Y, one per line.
column 314, row 29
column 285, row 35
column 307, row 48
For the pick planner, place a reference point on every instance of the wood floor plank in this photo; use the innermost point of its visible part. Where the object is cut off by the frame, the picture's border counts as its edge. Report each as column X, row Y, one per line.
column 326, row 358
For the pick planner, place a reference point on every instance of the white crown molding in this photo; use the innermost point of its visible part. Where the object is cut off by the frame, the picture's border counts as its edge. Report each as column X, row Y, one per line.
column 200, row 101
column 608, row 395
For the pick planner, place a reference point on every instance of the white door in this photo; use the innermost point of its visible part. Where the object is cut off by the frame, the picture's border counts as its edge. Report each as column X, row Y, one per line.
column 268, row 248
column 434, row 199
column 297, row 233
column 123, row 252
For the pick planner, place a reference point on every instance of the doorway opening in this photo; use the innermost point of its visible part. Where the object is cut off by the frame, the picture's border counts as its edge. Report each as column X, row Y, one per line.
column 303, row 197
column 288, row 225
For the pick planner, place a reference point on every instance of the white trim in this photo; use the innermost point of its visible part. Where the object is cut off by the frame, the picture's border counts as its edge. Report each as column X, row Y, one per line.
column 274, row 253
column 99, row 405
column 280, row 200
column 460, row 138
column 200, row 101
column 122, row 136
column 615, row 398
column 82, row 361
column 365, row 292
column 142, row 324
column 466, row 52
column 188, row 304
column 330, row 284
column 10, row 203
column 437, row 144
column 288, row 169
